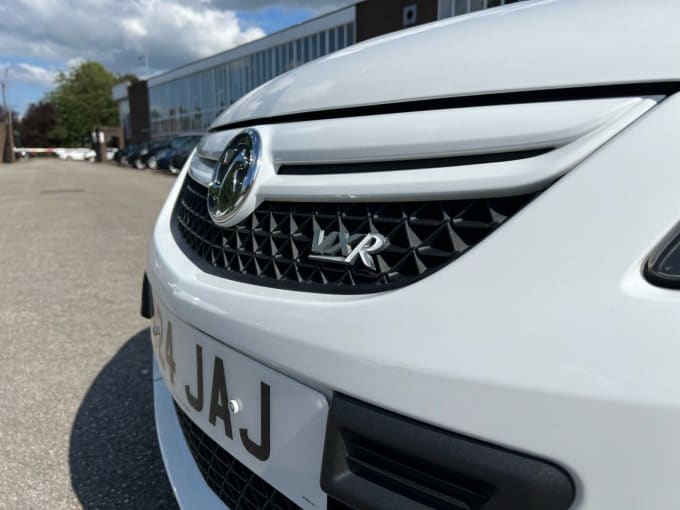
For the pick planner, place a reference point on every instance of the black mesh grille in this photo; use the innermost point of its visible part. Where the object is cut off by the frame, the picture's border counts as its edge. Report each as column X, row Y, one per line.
column 272, row 246
column 236, row 485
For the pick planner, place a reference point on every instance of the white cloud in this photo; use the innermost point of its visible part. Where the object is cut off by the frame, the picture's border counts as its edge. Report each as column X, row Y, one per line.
column 29, row 73
column 118, row 32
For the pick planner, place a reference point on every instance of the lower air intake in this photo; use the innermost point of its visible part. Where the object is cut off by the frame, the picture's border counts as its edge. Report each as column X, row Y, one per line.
column 377, row 460
column 236, row 485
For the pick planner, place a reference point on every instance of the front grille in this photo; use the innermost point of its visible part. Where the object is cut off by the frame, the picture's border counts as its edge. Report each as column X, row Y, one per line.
column 272, row 246
column 236, row 485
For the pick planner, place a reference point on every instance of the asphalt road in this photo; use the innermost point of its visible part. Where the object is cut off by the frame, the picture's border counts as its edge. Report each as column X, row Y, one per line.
column 76, row 418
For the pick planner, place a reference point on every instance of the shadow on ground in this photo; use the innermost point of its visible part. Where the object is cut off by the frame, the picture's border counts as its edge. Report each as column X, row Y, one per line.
column 113, row 455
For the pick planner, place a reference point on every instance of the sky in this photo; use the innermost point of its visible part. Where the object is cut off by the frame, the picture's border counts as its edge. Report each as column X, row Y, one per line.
column 39, row 38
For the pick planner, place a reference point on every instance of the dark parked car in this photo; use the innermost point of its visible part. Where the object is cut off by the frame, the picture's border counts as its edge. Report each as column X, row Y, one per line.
column 139, row 158
column 180, row 157
column 162, row 158
column 122, row 155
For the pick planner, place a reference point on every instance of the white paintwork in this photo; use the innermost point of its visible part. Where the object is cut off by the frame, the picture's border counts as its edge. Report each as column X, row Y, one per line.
column 536, row 45
column 574, row 128
column 437, row 133
column 544, row 338
column 298, row 414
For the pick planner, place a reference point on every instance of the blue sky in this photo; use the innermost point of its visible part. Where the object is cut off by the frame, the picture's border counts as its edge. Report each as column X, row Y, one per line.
column 38, row 39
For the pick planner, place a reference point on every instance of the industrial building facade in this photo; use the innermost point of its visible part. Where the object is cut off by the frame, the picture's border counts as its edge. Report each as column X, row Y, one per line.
column 190, row 97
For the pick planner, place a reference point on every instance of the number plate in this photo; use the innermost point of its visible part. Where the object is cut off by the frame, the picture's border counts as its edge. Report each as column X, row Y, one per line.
column 269, row 422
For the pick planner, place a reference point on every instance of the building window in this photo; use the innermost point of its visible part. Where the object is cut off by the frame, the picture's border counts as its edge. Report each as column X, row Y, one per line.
column 261, row 68
column 341, row 37
column 322, row 43
column 291, row 56
column 477, row 5
column 298, row 53
column 331, row 40
column 315, row 46
column 271, row 63
column 456, row 7
column 410, row 15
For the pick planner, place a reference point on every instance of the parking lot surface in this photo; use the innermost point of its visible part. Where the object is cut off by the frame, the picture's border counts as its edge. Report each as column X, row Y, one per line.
column 76, row 427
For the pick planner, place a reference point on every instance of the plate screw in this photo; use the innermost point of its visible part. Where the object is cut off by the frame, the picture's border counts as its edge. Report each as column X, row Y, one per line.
column 156, row 330
column 234, row 406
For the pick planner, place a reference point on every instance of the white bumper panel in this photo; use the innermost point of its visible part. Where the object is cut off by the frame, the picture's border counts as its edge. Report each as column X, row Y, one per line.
column 187, row 483
column 545, row 337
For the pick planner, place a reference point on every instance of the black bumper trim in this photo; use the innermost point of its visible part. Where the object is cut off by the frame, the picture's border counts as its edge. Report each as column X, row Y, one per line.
column 375, row 459
column 147, row 310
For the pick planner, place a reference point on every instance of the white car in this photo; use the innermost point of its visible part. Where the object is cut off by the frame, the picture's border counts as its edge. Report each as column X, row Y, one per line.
column 110, row 153
column 78, row 155
column 437, row 269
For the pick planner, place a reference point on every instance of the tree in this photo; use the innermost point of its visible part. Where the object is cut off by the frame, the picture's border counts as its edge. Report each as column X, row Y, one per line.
column 82, row 98
column 37, row 125
column 128, row 77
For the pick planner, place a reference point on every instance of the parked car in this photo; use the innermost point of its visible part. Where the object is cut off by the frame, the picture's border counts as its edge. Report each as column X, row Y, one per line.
column 133, row 154
column 122, row 155
column 162, row 158
column 111, row 153
column 179, row 158
column 138, row 159
column 389, row 281
column 132, row 158
column 82, row 154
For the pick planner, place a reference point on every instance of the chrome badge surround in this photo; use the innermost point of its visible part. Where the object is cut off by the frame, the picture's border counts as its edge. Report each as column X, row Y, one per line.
column 233, row 176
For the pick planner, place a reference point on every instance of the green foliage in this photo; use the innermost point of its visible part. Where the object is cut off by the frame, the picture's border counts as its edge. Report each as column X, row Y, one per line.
column 128, row 77
column 82, row 98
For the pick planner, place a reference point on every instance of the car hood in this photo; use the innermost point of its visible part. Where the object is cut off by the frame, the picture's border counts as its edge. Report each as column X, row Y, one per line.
column 535, row 45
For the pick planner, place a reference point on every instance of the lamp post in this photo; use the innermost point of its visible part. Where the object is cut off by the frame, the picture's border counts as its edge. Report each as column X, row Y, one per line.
column 10, row 129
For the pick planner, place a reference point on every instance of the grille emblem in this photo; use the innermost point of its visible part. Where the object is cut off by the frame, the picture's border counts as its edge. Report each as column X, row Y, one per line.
column 336, row 247
column 233, row 176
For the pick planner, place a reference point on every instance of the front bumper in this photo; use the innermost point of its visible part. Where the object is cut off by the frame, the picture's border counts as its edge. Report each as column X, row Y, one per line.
column 545, row 338
column 187, row 483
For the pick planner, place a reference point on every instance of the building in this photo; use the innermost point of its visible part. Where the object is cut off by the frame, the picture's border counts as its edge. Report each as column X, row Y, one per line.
column 133, row 110
column 190, row 97
column 120, row 96
column 448, row 8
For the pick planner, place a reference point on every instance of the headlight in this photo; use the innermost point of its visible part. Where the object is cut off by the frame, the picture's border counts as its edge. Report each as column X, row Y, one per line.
column 663, row 266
